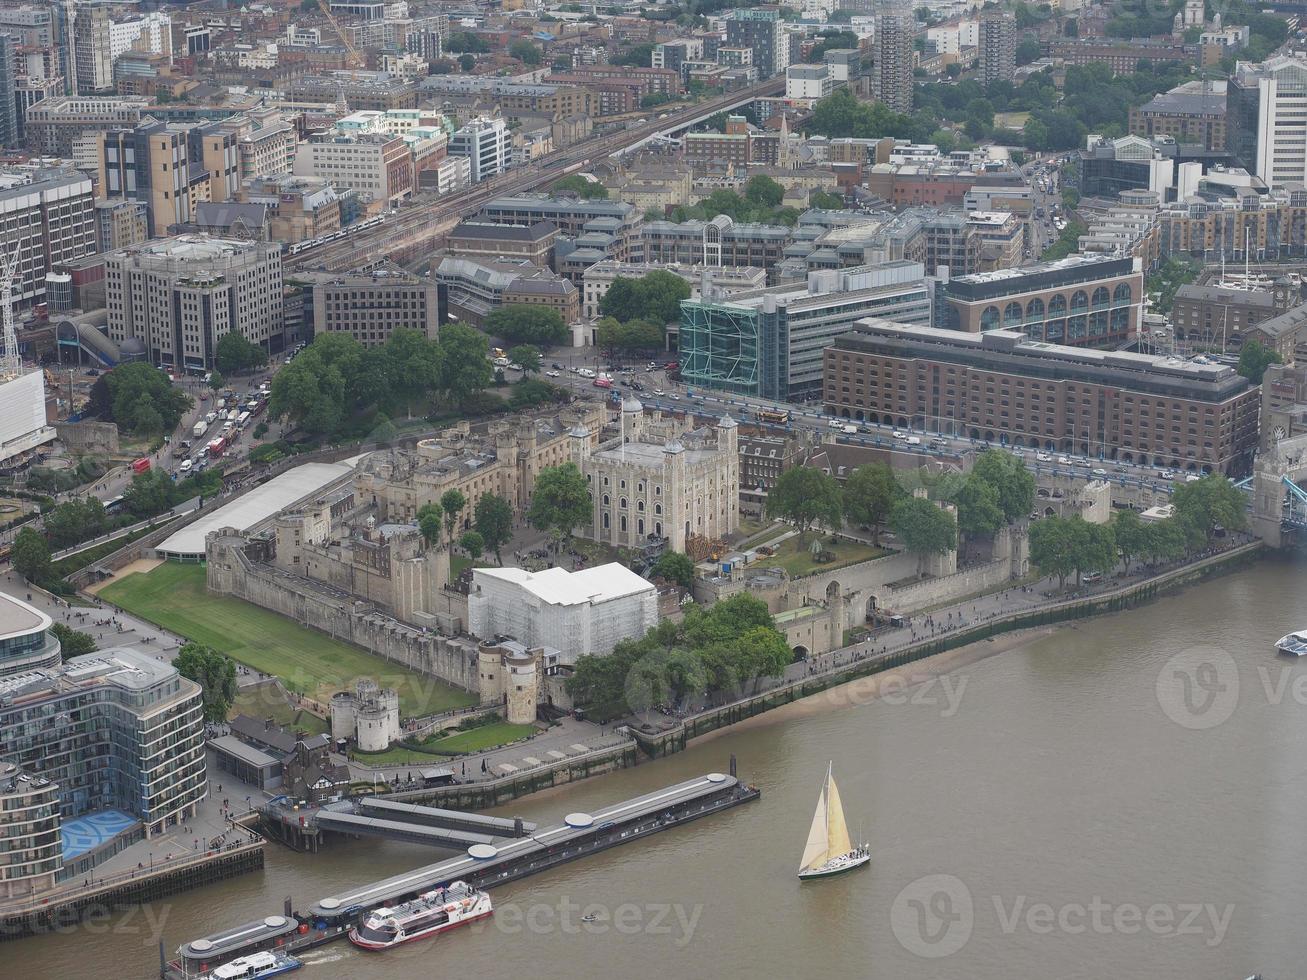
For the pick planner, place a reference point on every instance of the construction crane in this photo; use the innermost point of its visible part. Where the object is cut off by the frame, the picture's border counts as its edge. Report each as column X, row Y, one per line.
column 10, row 363
column 352, row 56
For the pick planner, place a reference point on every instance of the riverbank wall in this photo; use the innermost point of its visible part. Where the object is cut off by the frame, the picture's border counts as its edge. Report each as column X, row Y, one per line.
column 65, row 908
column 1126, row 597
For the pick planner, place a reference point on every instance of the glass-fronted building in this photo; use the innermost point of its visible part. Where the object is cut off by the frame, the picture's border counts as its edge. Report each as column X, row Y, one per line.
column 26, row 642
column 769, row 343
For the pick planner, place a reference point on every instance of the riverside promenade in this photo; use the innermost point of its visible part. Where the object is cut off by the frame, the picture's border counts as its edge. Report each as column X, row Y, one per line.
column 933, row 632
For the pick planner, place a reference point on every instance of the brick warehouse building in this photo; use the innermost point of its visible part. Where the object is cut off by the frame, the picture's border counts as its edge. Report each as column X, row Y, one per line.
column 1003, row 387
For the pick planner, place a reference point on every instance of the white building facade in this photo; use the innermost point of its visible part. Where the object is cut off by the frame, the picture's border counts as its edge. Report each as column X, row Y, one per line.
column 576, row 613
column 486, row 144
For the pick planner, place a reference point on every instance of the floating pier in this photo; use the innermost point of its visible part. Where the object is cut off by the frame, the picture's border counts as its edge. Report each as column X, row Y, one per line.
column 482, row 865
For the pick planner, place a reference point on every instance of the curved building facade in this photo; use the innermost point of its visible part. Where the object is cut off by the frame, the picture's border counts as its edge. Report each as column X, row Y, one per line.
column 26, row 642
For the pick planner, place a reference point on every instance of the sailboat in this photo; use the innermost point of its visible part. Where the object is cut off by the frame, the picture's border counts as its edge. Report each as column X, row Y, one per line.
column 829, row 851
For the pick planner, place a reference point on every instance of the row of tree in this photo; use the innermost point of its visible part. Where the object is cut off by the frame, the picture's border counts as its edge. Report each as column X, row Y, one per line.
column 1065, row 546
column 336, row 379
column 997, row 491
column 724, row 649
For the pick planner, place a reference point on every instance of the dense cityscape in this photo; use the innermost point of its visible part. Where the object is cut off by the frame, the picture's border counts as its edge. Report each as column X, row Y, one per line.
column 424, row 422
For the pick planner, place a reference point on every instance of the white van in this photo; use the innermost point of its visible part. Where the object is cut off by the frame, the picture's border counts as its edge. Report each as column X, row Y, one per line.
column 186, row 466
column 834, row 424
column 913, row 440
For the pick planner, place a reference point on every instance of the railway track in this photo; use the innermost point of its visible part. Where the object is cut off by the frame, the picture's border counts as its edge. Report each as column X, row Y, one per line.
column 413, row 226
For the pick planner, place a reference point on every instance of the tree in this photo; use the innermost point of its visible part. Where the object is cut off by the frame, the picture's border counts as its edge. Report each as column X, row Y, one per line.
column 31, row 555
column 493, row 519
column 234, row 353
column 979, row 513
column 216, row 380
column 1028, row 50
column 465, row 370
column 72, row 643
column 1208, row 503
column 1009, row 477
column 215, row 673
column 764, row 191
column 452, row 503
column 1131, row 536
column 411, row 365
column 473, row 544
column 148, row 494
column 638, row 56
column 582, row 187
column 560, row 501
column 74, row 521
column 466, row 62
column 139, row 398
column 431, row 521
column 1164, row 540
column 530, row 392
column 1254, row 359
column 1095, row 547
column 826, row 201
column 522, row 324
column 674, row 567
column 525, row 52
column 526, row 357
column 656, row 297
column 803, row 496
column 1053, row 548
column 868, row 496
column 924, row 528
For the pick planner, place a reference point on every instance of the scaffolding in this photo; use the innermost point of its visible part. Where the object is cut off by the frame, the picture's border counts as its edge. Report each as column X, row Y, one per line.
column 721, row 347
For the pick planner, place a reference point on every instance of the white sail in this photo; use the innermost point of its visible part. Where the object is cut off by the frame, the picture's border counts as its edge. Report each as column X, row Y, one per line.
column 814, row 851
column 837, row 831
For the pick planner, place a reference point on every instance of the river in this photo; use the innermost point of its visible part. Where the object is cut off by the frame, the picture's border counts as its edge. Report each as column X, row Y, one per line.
column 1124, row 797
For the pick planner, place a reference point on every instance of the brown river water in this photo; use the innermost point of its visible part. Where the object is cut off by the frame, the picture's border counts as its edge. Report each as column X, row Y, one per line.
column 1124, row 797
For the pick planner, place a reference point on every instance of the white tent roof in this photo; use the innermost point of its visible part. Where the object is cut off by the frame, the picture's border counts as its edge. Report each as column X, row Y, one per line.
column 560, row 587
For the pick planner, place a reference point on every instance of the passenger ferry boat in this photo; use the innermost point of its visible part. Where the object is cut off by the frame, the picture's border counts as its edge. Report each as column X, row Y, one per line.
column 255, row 966
column 430, row 913
column 1294, row 644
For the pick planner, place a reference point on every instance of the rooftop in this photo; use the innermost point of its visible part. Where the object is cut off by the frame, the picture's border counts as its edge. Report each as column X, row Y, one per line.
column 18, row 618
column 559, row 587
column 246, row 511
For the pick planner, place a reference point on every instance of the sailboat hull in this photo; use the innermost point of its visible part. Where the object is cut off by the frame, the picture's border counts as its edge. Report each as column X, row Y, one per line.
column 838, row 866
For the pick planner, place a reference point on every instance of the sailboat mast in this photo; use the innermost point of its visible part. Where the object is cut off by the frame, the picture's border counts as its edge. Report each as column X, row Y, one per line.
column 830, row 771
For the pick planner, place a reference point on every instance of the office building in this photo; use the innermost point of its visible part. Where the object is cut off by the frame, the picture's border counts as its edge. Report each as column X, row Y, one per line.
column 582, row 613
column 717, row 242
column 178, row 296
column 1186, row 115
column 53, row 124
column 1004, row 387
column 891, row 72
column 998, row 45
column 1082, row 301
column 120, row 223
column 300, row 208
column 533, row 243
column 46, row 217
column 768, row 344
column 118, row 731
column 660, row 481
column 169, row 167
column 572, row 216
column 762, row 31
column 10, row 131
column 92, row 49
column 487, row 145
column 1267, row 117
column 376, row 166
column 371, row 306
column 808, row 81
column 476, row 287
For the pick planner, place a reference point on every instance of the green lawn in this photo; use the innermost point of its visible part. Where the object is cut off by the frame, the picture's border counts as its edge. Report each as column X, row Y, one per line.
column 797, row 560
column 266, row 701
column 312, row 663
column 460, row 743
column 485, row 737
